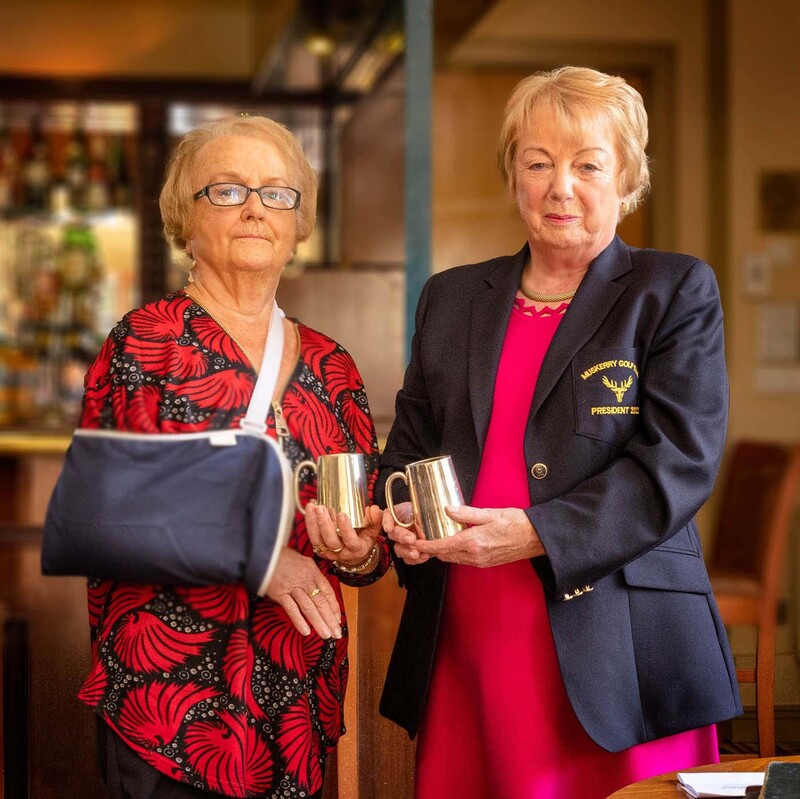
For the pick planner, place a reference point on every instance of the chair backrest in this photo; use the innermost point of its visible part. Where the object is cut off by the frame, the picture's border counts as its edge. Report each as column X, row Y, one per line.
column 754, row 519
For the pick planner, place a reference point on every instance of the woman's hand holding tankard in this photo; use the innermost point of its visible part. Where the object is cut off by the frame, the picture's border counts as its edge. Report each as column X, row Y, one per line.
column 405, row 539
column 495, row 536
column 334, row 538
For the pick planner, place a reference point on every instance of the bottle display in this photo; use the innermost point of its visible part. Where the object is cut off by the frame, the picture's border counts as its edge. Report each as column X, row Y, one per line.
column 64, row 160
column 68, row 237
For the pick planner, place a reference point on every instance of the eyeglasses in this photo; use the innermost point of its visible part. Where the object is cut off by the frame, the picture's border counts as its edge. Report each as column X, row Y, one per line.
column 279, row 198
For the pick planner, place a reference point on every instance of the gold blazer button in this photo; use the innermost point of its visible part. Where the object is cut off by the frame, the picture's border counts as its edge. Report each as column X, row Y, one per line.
column 539, row 471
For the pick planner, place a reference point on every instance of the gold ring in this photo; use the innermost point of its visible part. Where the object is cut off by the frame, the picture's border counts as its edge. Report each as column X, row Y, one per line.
column 320, row 549
column 316, row 591
column 336, row 551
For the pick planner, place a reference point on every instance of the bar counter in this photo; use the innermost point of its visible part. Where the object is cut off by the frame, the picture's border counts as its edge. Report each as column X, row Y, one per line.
column 34, row 442
column 30, row 462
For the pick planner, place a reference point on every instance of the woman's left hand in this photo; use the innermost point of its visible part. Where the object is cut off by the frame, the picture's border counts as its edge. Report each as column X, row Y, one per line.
column 496, row 536
column 334, row 537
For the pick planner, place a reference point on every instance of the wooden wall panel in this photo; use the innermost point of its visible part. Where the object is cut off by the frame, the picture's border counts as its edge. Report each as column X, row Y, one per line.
column 473, row 218
column 376, row 757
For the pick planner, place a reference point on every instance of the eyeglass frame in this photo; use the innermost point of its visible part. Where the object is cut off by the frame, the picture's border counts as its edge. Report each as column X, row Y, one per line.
column 204, row 193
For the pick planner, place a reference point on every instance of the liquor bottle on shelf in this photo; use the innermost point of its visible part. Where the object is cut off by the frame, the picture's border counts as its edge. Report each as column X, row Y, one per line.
column 6, row 366
column 98, row 195
column 37, row 294
column 77, row 170
column 7, row 373
column 60, row 201
column 36, row 171
column 17, row 384
column 78, row 265
column 59, row 136
column 121, row 192
column 77, row 341
column 8, row 172
column 25, row 370
column 16, row 368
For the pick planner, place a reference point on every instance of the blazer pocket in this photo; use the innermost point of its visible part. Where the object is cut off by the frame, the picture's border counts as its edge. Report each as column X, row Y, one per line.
column 665, row 570
column 606, row 393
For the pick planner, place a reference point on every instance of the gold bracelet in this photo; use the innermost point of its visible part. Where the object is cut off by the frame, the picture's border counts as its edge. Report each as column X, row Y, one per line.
column 359, row 567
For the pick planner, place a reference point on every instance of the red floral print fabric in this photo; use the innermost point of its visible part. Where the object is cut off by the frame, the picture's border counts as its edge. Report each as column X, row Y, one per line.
column 212, row 685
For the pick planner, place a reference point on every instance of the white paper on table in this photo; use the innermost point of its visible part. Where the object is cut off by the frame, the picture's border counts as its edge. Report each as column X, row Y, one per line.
column 719, row 783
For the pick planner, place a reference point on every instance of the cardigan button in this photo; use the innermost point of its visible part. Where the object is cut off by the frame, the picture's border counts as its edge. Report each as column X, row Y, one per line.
column 539, row 471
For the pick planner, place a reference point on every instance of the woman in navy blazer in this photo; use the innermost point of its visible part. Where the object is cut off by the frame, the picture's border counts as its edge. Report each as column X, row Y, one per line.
column 567, row 642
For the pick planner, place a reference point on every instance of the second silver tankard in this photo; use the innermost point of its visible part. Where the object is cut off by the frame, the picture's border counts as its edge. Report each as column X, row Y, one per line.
column 433, row 486
column 341, row 484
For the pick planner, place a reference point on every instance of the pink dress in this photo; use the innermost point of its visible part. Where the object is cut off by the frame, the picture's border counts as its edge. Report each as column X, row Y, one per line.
column 498, row 723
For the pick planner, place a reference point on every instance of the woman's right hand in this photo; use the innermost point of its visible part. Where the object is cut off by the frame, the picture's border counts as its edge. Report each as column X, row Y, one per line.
column 404, row 538
column 304, row 592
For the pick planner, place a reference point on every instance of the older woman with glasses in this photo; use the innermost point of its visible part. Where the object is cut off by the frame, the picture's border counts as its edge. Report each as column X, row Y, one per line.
column 213, row 690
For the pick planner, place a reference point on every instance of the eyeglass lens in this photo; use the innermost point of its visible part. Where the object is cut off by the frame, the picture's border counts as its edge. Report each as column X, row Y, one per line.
column 278, row 197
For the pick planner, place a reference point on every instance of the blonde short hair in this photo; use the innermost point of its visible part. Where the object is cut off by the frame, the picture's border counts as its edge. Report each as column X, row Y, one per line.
column 176, row 201
column 575, row 93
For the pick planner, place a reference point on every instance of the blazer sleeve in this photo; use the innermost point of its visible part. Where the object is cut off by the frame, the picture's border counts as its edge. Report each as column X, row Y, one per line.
column 414, row 435
column 658, row 480
column 361, row 429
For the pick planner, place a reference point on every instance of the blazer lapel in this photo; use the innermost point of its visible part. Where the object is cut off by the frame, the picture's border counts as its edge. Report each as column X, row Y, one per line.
column 595, row 298
column 491, row 310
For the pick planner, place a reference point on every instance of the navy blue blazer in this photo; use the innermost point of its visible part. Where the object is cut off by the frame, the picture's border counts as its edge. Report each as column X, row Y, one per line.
column 623, row 444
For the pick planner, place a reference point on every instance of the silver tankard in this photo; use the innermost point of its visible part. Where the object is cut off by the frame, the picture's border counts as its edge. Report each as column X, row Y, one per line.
column 433, row 486
column 341, row 484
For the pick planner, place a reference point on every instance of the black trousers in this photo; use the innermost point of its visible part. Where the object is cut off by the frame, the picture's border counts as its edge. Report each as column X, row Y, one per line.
column 127, row 776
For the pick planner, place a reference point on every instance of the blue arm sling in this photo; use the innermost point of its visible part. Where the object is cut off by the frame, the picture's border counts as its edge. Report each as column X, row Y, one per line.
column 187, row 509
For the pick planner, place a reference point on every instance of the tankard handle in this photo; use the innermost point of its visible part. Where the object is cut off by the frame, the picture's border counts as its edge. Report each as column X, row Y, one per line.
column 311, row 465
column 390, row 502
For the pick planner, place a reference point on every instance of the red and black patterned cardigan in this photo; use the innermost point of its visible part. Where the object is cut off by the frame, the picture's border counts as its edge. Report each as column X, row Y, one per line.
column 214, row 686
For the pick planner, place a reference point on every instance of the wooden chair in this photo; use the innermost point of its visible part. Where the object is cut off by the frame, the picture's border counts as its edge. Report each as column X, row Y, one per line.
column 747, row 558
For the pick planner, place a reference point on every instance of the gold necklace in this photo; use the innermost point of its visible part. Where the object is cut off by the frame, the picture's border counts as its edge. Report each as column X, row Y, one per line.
column 538, row 296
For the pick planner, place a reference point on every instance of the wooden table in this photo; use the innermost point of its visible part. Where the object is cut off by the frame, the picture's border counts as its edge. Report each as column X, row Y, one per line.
column 666, row 786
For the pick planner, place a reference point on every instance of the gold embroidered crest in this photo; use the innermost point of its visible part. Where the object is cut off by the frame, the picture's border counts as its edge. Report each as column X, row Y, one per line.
column 619, row 389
